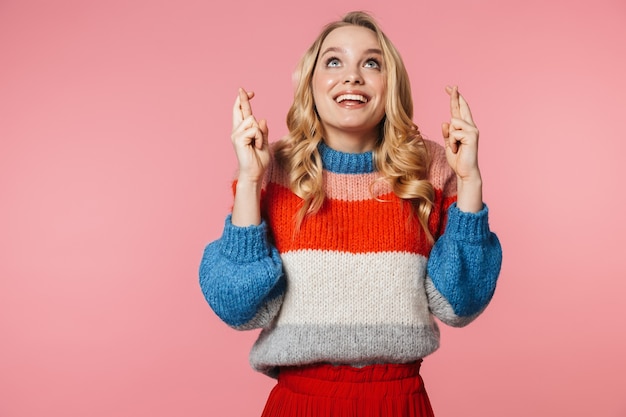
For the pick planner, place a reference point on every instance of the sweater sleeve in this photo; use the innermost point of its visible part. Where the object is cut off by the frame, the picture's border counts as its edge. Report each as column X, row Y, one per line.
column 241, row 276
column 463, row 267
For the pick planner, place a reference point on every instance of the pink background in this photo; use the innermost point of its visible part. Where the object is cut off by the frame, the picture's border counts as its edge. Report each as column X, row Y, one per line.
column 115, row 165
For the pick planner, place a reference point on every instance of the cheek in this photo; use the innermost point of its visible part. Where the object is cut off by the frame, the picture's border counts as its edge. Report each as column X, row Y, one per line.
column 381, row 92
column 317, row 85
column 379, row 84
column 323, row 82
column 321, row 86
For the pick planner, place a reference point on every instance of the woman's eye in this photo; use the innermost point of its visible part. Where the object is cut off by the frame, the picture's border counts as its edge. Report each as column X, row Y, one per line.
column 332, row 62
column 372, row 63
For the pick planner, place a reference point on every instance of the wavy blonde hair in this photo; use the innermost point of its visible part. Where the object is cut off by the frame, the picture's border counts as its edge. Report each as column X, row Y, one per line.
column 400, row 154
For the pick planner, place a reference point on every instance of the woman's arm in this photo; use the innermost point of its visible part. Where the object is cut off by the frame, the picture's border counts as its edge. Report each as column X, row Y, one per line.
column 465, row 261
column 241, row 273
column 250, row 141
column 461, row 143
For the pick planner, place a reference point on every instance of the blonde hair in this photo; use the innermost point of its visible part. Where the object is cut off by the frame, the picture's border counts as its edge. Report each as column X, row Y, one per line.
column 400, row 154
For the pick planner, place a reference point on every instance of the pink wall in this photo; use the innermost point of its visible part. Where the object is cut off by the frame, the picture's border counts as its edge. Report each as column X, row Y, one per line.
column 115, row 164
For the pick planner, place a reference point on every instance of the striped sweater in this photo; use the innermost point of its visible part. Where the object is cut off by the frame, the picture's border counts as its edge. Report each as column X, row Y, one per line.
column 359, row 283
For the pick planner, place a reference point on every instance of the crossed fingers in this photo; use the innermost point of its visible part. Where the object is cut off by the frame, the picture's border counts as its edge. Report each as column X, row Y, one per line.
column 242, row 108
column 459, row 109
column 245, row 124
column 461, row 121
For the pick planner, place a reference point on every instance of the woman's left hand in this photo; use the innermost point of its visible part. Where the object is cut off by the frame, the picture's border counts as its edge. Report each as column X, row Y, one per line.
column 461, row 138
column 461, row 144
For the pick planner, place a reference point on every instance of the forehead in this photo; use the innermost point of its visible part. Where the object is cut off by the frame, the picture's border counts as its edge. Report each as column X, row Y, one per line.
column 351, row 37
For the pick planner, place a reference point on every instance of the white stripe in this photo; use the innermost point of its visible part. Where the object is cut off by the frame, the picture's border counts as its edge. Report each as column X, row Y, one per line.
column 352, row 289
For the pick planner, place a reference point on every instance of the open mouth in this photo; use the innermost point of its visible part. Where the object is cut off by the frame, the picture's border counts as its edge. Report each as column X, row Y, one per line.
column 351, row 97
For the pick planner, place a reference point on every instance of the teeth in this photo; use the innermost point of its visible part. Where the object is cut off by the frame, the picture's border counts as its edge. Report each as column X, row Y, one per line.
column 355, row 97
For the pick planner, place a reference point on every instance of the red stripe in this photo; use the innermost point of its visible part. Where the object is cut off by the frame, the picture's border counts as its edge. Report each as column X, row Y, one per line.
column 372, row 391
column 349, row 226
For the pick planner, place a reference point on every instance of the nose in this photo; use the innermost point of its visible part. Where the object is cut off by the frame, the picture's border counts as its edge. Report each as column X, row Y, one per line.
column 353, row 76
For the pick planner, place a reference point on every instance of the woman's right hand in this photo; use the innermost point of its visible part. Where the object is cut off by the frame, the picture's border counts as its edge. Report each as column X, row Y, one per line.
column 250, row 140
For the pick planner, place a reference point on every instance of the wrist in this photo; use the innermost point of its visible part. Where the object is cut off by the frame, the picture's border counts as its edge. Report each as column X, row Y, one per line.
column 470, row 195
column 248, row 183
column 469, row 182
column 246, row 207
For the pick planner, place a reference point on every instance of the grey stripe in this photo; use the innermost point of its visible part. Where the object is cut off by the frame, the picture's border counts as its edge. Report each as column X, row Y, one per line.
column 359, row 344
column 264, row 315
column 443, row 310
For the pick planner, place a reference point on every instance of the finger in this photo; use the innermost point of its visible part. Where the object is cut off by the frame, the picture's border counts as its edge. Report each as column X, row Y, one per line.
column 237, row 116
column 455, row 110
column 238, row 108
column 458, row 136
column 464, row 108
column 244, row 98
column 250, row 133
column 265, row 132
column 461, row 124
column 246, row 134
column 249, row 137
column 445, row 130
column 452, row 144
column 257, row 141
column 469, row 131
column 449, row 141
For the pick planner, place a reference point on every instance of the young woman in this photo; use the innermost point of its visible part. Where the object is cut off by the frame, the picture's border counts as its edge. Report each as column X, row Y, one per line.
column 351, row 234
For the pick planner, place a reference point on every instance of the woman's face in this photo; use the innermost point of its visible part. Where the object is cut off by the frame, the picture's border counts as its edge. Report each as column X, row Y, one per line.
column 349, row 87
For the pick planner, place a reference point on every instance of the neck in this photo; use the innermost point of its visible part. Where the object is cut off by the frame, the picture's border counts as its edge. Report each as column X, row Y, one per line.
column 351, row 142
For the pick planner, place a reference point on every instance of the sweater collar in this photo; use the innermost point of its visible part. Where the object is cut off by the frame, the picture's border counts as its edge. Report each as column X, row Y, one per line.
column 346, row 163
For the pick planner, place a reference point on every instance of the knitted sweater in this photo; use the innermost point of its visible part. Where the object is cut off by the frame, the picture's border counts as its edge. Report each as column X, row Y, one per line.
column 359, row 283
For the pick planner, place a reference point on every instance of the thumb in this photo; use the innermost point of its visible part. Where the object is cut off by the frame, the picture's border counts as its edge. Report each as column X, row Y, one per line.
column 445, row 130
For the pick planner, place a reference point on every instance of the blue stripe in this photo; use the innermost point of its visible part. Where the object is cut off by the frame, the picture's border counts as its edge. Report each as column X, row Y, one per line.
column 346, row 163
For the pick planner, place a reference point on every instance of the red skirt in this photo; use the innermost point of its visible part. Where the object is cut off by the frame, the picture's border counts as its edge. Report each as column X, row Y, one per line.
column 344, row 391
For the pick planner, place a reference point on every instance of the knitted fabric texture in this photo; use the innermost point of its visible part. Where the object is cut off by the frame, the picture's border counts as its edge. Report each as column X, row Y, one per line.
column 359, row 283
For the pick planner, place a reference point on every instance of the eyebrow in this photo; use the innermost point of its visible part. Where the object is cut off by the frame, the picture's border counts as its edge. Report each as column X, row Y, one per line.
column 343, row 50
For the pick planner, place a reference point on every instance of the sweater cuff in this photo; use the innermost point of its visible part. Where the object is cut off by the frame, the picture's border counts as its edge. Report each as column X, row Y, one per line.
column 469, row 227
column 244, row 244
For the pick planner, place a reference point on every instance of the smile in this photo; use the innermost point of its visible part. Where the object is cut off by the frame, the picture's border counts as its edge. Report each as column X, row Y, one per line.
column 351, row 97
